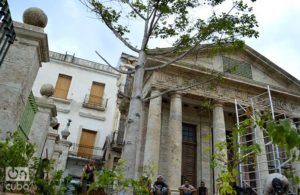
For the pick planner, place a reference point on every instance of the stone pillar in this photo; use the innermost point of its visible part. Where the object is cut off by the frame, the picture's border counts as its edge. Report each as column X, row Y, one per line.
column 205, row 154
column 152, row 145
column 219, row 134
column 175, row 141
column 64, row 147
column 56, row 156
column 44, row 119
column 52, row 137
column 19, row 70
column 262, row 168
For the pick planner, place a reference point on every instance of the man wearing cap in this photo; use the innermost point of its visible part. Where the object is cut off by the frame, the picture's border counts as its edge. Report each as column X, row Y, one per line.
column 159, row 187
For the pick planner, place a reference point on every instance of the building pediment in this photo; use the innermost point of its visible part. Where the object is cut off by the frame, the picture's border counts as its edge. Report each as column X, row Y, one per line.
column 246, row 66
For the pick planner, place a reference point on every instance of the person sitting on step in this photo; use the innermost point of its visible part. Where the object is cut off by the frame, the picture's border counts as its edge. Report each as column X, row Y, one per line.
column 187, row 189
column 160, row 187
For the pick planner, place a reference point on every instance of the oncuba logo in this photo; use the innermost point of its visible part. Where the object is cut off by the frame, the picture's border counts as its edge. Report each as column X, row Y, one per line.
column 17, row 174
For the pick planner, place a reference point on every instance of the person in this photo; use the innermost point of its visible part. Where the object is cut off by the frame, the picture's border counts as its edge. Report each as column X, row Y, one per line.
column 187, row 189
column 159, row 187
column 202, row 189
column 276, row 183
column 88, row 176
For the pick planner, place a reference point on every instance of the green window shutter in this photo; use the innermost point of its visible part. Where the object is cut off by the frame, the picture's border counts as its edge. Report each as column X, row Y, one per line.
column 27, row 116
column 237, row 67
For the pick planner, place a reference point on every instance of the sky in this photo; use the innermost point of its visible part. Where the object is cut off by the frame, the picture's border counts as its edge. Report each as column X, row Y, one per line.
column 73, row 29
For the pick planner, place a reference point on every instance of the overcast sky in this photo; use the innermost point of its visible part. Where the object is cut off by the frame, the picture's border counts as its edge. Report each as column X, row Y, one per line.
column 71, row 28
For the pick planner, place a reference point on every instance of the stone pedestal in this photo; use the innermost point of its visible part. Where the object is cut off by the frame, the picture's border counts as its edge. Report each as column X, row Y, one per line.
column 175, row 144
column 152, row 145
column 219, row 134
column 18, row 72
column 41, row 123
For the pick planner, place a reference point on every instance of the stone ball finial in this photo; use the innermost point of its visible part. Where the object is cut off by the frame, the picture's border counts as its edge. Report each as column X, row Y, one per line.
column 47, row 90
column 35, row 16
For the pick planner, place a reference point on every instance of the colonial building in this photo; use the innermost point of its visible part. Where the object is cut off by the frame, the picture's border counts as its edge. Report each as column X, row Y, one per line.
column 113, row 145
column 85, row 93
column 178, row 132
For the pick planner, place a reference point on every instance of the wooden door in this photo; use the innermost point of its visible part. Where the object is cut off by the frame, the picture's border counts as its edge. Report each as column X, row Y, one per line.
column 86, row 145
column 62, row 86
column 189, row 143
column 96, row 94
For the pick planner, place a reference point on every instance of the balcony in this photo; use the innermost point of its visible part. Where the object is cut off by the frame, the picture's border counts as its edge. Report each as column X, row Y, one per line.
column 95, row 102
column 117, row 141
column 85, row 152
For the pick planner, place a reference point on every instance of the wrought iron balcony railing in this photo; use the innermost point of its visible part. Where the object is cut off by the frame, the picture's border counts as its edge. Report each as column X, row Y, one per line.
column 7, row 32
column 95, row 102
column 85, row 151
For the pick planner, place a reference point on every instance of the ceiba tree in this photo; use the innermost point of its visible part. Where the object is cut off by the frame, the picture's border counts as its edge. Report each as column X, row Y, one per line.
column 177, row 21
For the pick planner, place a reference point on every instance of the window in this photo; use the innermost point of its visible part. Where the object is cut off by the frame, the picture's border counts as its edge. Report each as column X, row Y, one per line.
column 96, row 94
column 86, row 145
column 62, row 86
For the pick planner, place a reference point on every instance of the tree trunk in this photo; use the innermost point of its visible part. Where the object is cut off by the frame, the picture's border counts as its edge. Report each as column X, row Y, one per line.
column 132, row 131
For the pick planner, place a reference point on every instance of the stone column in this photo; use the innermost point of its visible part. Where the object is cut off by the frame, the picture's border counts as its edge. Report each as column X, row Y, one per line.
column 262, row 168
column 152, row 145
column 43, row 120
column 219, row 134
column 19, row 69
column 175, row 141
column 205, row 153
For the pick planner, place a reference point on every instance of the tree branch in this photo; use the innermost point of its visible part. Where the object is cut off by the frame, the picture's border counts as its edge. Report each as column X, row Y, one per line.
column 119, row 71
column 151, row 25
column 136, row 11
column 110, row 26
column 172, row 61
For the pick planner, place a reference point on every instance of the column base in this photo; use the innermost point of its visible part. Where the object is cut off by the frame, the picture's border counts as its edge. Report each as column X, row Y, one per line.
column 174, row 191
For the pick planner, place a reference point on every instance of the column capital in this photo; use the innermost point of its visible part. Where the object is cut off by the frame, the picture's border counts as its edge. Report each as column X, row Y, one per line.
column 218, row 102
column 176, row 94
column 154, row 88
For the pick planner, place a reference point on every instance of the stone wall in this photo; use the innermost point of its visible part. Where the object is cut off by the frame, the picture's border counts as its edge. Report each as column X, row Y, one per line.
column 19, row 71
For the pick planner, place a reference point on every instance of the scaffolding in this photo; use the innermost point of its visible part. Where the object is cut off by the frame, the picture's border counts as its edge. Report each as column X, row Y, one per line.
column 254, row 171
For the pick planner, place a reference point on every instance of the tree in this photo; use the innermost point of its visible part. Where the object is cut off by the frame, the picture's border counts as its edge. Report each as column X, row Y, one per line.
column 177, row 21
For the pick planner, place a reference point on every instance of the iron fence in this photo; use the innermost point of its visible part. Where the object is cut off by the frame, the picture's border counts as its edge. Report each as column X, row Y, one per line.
column 7, row 32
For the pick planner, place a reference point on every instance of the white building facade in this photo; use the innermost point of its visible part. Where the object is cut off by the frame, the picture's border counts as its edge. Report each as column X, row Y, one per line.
column 86, row 93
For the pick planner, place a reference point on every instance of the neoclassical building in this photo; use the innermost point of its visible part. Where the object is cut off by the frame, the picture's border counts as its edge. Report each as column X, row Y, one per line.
column 178, row 131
